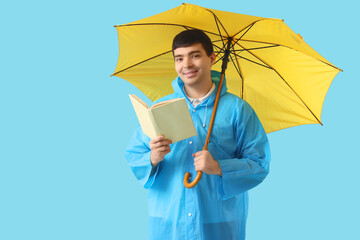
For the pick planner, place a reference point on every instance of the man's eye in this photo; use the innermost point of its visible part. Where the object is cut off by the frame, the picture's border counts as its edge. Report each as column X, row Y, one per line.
column 196, row 56
column 178, row 59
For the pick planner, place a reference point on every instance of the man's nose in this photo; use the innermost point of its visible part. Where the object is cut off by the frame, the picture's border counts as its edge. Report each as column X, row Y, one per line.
column 188, row 62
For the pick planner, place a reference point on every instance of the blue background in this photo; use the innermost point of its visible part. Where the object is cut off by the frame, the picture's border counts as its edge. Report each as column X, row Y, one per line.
column 64, row 125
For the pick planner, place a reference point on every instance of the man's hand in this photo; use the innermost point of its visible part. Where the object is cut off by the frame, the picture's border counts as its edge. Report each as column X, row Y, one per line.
column 204, row 162
column 159, row 148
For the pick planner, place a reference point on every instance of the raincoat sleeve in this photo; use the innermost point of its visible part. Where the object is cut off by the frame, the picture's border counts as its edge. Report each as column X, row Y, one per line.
column 251, row 165
column 137, row 155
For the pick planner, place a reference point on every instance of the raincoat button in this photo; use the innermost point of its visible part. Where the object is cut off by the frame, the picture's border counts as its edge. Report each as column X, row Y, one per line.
column 194, row 110
column 189, row 214
column 190, row 142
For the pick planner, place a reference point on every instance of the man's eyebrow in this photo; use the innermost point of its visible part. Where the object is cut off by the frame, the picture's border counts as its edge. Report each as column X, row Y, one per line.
column 196, row 51
column 190, row 53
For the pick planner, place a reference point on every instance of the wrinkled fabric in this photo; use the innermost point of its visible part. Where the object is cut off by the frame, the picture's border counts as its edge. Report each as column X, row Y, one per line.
column 216, row 208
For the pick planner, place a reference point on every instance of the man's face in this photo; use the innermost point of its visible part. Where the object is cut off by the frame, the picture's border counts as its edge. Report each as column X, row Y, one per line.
column 193, row 65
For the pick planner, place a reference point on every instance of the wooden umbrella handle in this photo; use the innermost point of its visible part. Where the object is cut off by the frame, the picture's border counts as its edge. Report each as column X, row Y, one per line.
column 199, row 173
column 193, row 183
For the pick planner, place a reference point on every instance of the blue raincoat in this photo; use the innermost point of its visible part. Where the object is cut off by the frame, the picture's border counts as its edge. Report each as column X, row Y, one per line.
column 216, row 208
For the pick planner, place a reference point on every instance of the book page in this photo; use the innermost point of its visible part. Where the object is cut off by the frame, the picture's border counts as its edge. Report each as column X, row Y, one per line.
column 164, row 102
column 174, row 120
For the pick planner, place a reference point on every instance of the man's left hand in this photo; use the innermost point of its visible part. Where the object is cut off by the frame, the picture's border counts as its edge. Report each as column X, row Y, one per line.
column 204, row 162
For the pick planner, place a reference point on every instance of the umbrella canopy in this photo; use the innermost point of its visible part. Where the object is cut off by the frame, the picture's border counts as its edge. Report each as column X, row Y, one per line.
column 270, row 66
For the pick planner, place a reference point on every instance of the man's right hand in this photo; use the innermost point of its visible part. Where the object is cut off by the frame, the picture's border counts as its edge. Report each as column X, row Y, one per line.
column 159, row 148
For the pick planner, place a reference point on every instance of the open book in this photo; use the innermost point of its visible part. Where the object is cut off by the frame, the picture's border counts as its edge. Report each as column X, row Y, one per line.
column 169, row 118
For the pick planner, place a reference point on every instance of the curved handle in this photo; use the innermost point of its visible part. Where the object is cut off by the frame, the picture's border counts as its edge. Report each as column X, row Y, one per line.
column 193, row 183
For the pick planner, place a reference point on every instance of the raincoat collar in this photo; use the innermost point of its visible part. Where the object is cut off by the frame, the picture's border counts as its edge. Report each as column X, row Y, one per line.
column 178, row 86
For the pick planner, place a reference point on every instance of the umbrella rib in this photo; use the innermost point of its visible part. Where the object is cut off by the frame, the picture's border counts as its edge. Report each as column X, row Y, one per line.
column 236, row 54
column 221, row 50
column 219, row 59
column 217, row 25
column 238, row 69
column 253, row 61
column 148, row 59
column 297, row 95
column 237, row 66
column 258, row 48
column 217, row 21
column 247, row 50
column 279, row 45
column 248, row 28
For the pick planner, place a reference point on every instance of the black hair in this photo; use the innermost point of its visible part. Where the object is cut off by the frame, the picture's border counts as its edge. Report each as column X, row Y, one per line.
column 190, row 37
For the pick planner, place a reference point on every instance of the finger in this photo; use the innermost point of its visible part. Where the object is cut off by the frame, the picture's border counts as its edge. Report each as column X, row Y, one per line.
column 160, row 148
column 197, row 159
column 163, row 148
column 156, row 139
column 158, row 144
column 163, row 153
column 197, row 154
column 160, row 138
column 166, row 142
column 198, row 168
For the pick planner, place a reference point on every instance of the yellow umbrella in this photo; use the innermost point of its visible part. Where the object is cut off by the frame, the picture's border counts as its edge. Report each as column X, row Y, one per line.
column 270, row 66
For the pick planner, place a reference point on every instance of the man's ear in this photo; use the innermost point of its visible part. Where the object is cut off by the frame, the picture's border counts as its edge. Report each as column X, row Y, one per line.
column 212, row 58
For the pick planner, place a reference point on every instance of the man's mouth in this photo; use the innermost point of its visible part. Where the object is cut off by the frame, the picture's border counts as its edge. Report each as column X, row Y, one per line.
column 190, row 73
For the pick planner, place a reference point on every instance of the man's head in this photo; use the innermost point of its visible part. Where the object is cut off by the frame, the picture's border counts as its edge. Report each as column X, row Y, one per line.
column 194, row 58
column 191, row 37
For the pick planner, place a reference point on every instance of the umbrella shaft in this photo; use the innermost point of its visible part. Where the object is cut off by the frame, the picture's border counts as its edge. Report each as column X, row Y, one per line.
column 226, row 56
column 214, row 112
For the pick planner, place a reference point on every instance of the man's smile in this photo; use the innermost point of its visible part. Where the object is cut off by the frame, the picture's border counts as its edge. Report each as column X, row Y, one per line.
column 190, row 73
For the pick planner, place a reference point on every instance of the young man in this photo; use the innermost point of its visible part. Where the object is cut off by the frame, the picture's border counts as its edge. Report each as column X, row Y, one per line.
column 237, row 158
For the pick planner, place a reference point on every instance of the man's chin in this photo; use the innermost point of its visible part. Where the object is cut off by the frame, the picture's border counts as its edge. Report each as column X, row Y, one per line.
column 189, row 81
